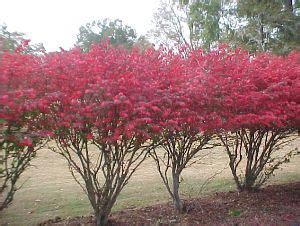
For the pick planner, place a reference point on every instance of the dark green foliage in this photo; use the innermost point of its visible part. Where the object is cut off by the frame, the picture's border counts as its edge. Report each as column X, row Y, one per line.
column 204, row 22
column 257, row 25
column 115, row 31
column 269, row 25
column 11, row 40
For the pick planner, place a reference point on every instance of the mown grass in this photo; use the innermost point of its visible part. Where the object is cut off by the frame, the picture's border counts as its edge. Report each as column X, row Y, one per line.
column 50, row 190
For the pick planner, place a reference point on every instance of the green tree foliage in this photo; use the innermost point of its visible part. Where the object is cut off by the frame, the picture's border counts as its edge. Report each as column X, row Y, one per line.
column 113, row 30
column 142, row 43
column 268, row 25
column 198, row 23
column 195, row 23
column 258, row 25
column 11, row 40
column 204, row 20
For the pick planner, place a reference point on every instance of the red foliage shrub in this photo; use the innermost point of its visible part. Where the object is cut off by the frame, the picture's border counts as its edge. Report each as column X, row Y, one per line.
column 256, row 103
column 19, row 97
column 118, row 105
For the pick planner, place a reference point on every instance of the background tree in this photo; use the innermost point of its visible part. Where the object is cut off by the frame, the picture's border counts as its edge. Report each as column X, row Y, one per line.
column 12, row 40
column 171, row 25
column 258, row 25
column 142, row 43
column 113, row 30
column 205, row 22
column 267, row 25
column 195, row 23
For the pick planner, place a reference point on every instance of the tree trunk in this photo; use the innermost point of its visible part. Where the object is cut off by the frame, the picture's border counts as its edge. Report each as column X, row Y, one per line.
column 235, row 177
column 101, row 218
column 249, row 182
column 176, row 198
column 261, row 32
column 247, row 186
column 288, row 5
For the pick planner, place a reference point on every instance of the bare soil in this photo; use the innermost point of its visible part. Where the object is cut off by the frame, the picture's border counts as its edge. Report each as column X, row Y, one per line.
column 272, row 205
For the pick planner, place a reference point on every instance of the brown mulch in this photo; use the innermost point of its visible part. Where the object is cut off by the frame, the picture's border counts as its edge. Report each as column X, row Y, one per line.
column 272, row 205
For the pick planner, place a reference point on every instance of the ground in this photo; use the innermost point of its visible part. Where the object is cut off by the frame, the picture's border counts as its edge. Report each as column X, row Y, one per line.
column 273, row 205
column 49, row 190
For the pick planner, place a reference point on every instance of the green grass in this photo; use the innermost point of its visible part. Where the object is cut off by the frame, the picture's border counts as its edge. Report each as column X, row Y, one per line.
column 50, row 190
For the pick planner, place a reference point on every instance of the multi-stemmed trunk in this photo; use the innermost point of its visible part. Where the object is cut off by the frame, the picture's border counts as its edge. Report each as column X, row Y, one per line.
column 14, row 160
column 178, row 149
column 105, row 168
column 102, row 213
column 255, row 148
column 175, row 193
column 101, row 218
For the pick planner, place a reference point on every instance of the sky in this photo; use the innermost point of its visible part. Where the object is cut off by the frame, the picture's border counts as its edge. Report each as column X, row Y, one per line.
column 55, row 23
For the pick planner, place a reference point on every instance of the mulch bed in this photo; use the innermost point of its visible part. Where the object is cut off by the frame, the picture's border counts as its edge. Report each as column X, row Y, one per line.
column 272, row 205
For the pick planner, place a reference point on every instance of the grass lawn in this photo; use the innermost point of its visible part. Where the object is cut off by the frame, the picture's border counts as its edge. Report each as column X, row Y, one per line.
column 49, row 189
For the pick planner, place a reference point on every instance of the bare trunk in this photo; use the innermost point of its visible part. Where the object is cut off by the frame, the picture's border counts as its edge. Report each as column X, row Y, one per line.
column 101, row 218
column 288, row 5
column 261, row 32
column 248, row 184
column 235, row 176
column 176, row 198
